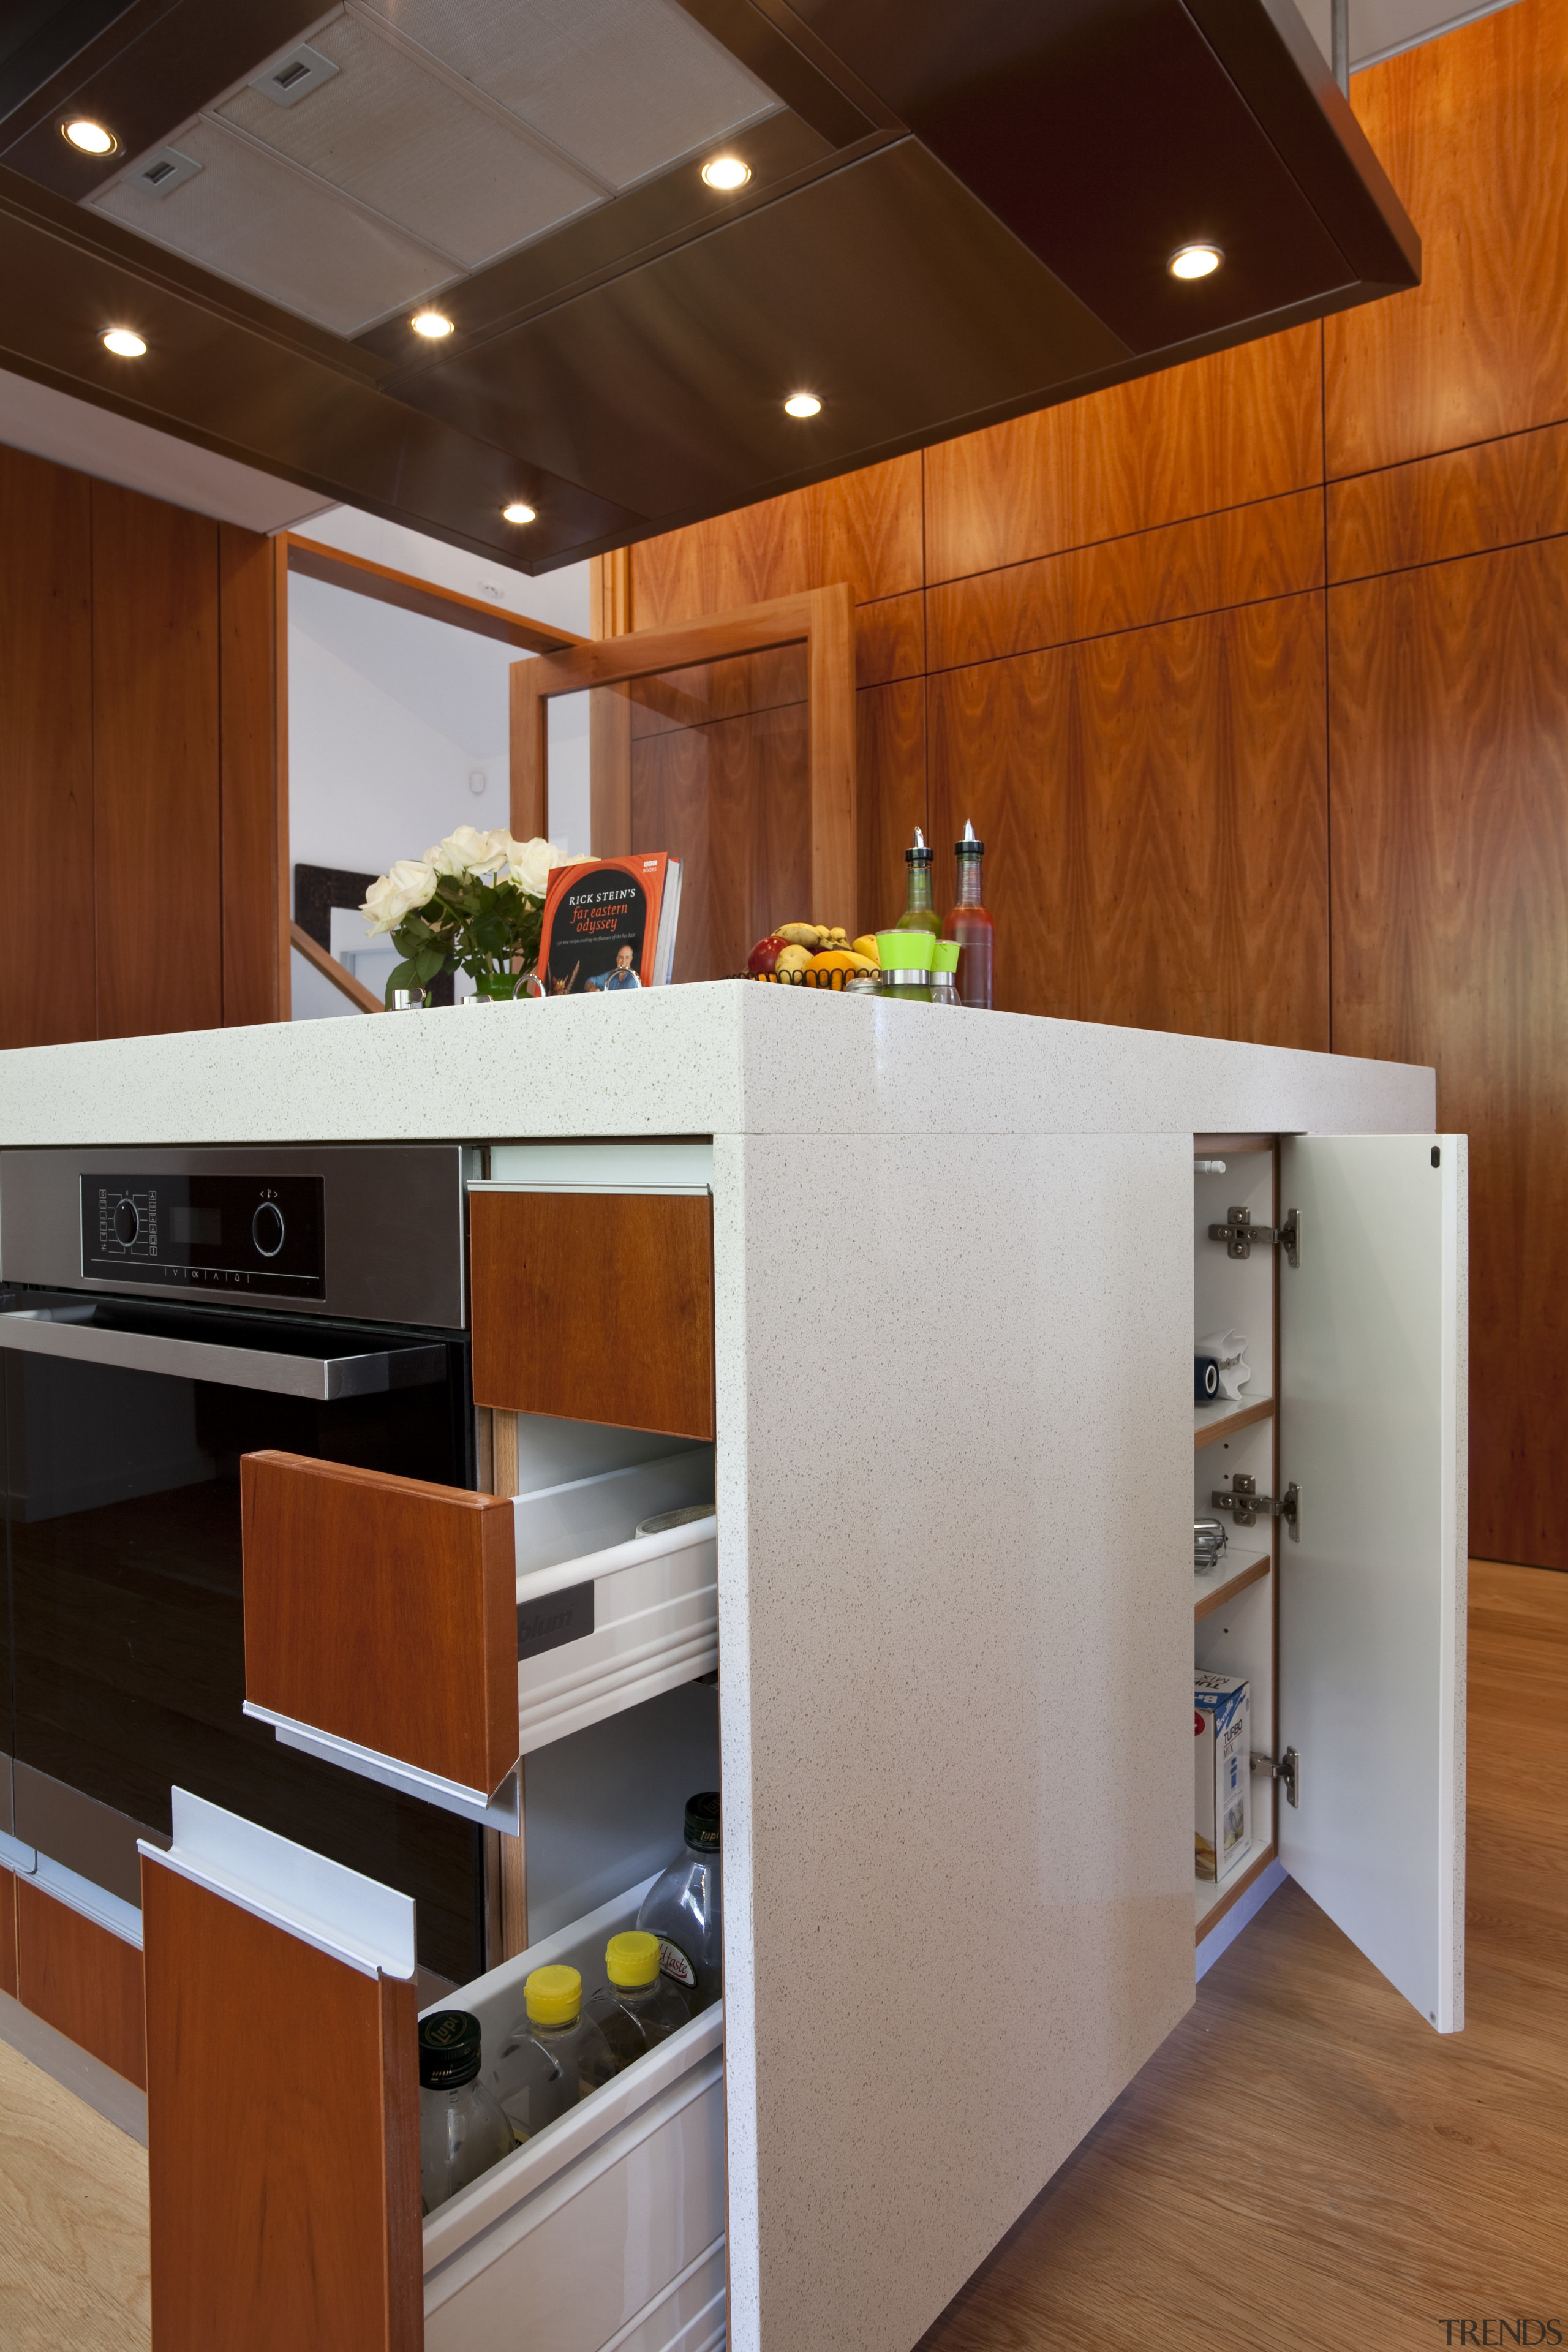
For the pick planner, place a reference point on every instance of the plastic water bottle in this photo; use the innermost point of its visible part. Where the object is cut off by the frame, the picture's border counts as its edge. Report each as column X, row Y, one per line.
column 636, row 2007
column 552, row 2057
column 462, row 2131
column 683, row 1908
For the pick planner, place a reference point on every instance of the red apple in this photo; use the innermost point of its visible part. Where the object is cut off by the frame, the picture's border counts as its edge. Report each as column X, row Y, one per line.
column 764, row 956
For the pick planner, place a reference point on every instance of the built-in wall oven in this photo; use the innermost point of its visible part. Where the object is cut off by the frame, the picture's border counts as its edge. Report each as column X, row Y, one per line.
column 163, row 1313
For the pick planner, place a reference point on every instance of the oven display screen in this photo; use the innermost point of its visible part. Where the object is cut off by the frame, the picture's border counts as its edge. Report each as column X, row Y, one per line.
column 260, row 1234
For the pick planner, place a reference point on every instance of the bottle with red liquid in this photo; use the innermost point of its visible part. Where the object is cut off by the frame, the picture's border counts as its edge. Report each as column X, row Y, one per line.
column 971, row 926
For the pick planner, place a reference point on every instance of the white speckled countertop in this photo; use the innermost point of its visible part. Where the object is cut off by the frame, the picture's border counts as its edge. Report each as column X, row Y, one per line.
column 725, row 1057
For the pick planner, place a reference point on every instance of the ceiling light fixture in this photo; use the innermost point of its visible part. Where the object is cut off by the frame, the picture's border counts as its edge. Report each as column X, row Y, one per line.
column 1194, row 261
column 92, row 138
column 803, row 403
column 124, row 342
column 726, row 172
column 431, row 323
column 517, row 512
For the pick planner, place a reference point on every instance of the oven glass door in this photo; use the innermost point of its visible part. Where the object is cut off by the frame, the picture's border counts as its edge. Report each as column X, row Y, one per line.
column 122, row 1430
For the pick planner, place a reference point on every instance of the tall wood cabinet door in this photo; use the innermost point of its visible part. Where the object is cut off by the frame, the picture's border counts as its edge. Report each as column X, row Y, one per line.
column 1371, row 1589
column 282, row 2096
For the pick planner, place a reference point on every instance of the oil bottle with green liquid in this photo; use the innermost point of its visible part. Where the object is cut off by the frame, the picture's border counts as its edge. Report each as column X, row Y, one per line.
column 919, row 914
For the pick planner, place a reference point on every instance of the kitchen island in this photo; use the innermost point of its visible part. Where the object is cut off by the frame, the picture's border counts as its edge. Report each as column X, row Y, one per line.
column 952, row 1269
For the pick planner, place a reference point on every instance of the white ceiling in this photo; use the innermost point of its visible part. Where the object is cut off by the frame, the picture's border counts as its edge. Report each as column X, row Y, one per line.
column 117, row 449
column 1379, row 28
column 452, row 132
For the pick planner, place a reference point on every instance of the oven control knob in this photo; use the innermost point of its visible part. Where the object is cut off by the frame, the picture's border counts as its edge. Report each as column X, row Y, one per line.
column 127, row 1223
column 266, row 1228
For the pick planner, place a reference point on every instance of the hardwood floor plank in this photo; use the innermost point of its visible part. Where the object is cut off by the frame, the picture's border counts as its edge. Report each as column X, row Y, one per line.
column 74, row 2262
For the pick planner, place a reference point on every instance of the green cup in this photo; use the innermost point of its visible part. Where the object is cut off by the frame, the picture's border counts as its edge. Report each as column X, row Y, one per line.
column 905, row 951
column 944, row 955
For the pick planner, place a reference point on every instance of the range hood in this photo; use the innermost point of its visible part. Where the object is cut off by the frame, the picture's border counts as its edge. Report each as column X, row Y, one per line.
column 956, row 211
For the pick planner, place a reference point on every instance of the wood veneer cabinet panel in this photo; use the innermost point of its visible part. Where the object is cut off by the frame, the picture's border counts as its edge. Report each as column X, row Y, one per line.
column 892, row 794
column 1461, row 502
column 250, row 796
column 890, row 639
column 864, row 528
column 1239, row 556
column 156, row 751
column 731, row 801
column 282, row 2136
column 7, row 1933
column 1449, row 766
column 382, row 1609
column 1156, row 810
column 48, row 995
column 1473, row 131
column 81, row 1980
column 1236, row 425
column 594, row 1306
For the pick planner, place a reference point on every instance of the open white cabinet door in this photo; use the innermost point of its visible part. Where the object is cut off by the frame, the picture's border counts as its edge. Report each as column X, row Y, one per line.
column 1373, row 1345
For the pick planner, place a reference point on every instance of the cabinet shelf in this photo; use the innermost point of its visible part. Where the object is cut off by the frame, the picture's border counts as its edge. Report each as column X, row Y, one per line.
column 1212, row 1590
column 1212, row 1421
column 1212, row 1898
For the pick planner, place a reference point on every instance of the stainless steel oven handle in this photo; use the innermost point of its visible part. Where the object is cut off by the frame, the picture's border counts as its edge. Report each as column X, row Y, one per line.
column 325, row 1378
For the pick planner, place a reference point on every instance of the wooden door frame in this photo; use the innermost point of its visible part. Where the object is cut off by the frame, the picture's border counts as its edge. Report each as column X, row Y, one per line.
column 823, row 619
column 313, row 559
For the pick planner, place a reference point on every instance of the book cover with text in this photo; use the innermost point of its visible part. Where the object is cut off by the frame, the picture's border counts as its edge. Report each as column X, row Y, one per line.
column 609, row 925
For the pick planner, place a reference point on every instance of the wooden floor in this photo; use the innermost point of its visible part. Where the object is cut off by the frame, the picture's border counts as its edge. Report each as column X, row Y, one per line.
column 1304, row 2163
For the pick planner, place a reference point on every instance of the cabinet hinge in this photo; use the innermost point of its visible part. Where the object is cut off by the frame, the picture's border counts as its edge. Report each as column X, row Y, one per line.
column 1286, row 1769
column 1243, row 1501
column 1239, row 1232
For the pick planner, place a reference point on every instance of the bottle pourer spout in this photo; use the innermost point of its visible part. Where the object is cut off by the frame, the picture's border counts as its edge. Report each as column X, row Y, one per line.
column 919, row 839
column 969, row 833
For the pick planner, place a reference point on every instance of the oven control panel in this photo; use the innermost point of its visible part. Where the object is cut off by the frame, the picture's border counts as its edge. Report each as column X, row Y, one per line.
column 264, row 1235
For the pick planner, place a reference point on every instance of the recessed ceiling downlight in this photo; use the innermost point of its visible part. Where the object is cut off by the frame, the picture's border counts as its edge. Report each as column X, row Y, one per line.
column 517, row 512
column 430, row 323
column 124, row 342
column 726, row 172
column 803, row 403
column 90, row 137
column 1194, row 261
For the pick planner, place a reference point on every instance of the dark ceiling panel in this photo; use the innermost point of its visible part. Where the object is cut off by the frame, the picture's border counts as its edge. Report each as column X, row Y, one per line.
column 157, row 65
column 884, row 289
column 1028, row 103
column 629, row 229
column 796, row 75
column 38, row 36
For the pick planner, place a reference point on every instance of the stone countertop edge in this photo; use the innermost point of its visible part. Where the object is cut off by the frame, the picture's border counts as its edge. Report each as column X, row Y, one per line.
column 714, row 1057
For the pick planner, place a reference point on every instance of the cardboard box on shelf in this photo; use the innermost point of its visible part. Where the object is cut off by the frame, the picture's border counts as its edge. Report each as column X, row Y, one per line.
column 1222, row 1776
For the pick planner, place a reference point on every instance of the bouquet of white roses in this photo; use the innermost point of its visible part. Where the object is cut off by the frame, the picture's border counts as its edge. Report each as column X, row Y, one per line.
column 471, row 904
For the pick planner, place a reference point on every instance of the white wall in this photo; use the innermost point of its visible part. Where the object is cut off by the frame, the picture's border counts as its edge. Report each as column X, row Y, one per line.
column 559, row 597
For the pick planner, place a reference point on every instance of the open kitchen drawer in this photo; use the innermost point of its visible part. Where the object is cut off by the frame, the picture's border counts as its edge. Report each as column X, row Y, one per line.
column 282, row 2115
column 429, row 1637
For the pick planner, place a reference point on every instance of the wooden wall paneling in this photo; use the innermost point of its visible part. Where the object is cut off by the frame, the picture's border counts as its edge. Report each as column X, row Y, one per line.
column 249, row 752
column 1154, row 806
column 891, row 638
column 8, row 1933
column 1217, row 432
column 830, row 719
column 864, row 528
column 382, row 1609
column 596, row 1307
column 1240, row 555
column 1460, row 503
column 1449, row 768
column 670, row 809
column 156, row 754
column 891, row 796
column 80, row 1978
column 47, row 987
column 282, row 2136
column 1473, row 131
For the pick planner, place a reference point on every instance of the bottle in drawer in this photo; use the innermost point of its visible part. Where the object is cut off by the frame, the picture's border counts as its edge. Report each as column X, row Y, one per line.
column 684, row 1908
column 462, row 2131
column 637, row 2006
column 553, row 2056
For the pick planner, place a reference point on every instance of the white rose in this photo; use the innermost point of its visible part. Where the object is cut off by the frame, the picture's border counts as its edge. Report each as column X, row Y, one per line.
column 469, row 852
column 393, row 896
column 529, row 863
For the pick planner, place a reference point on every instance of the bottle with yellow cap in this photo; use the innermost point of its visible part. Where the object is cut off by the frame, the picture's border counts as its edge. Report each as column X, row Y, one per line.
column 636, row 2006
column 553, row 2056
